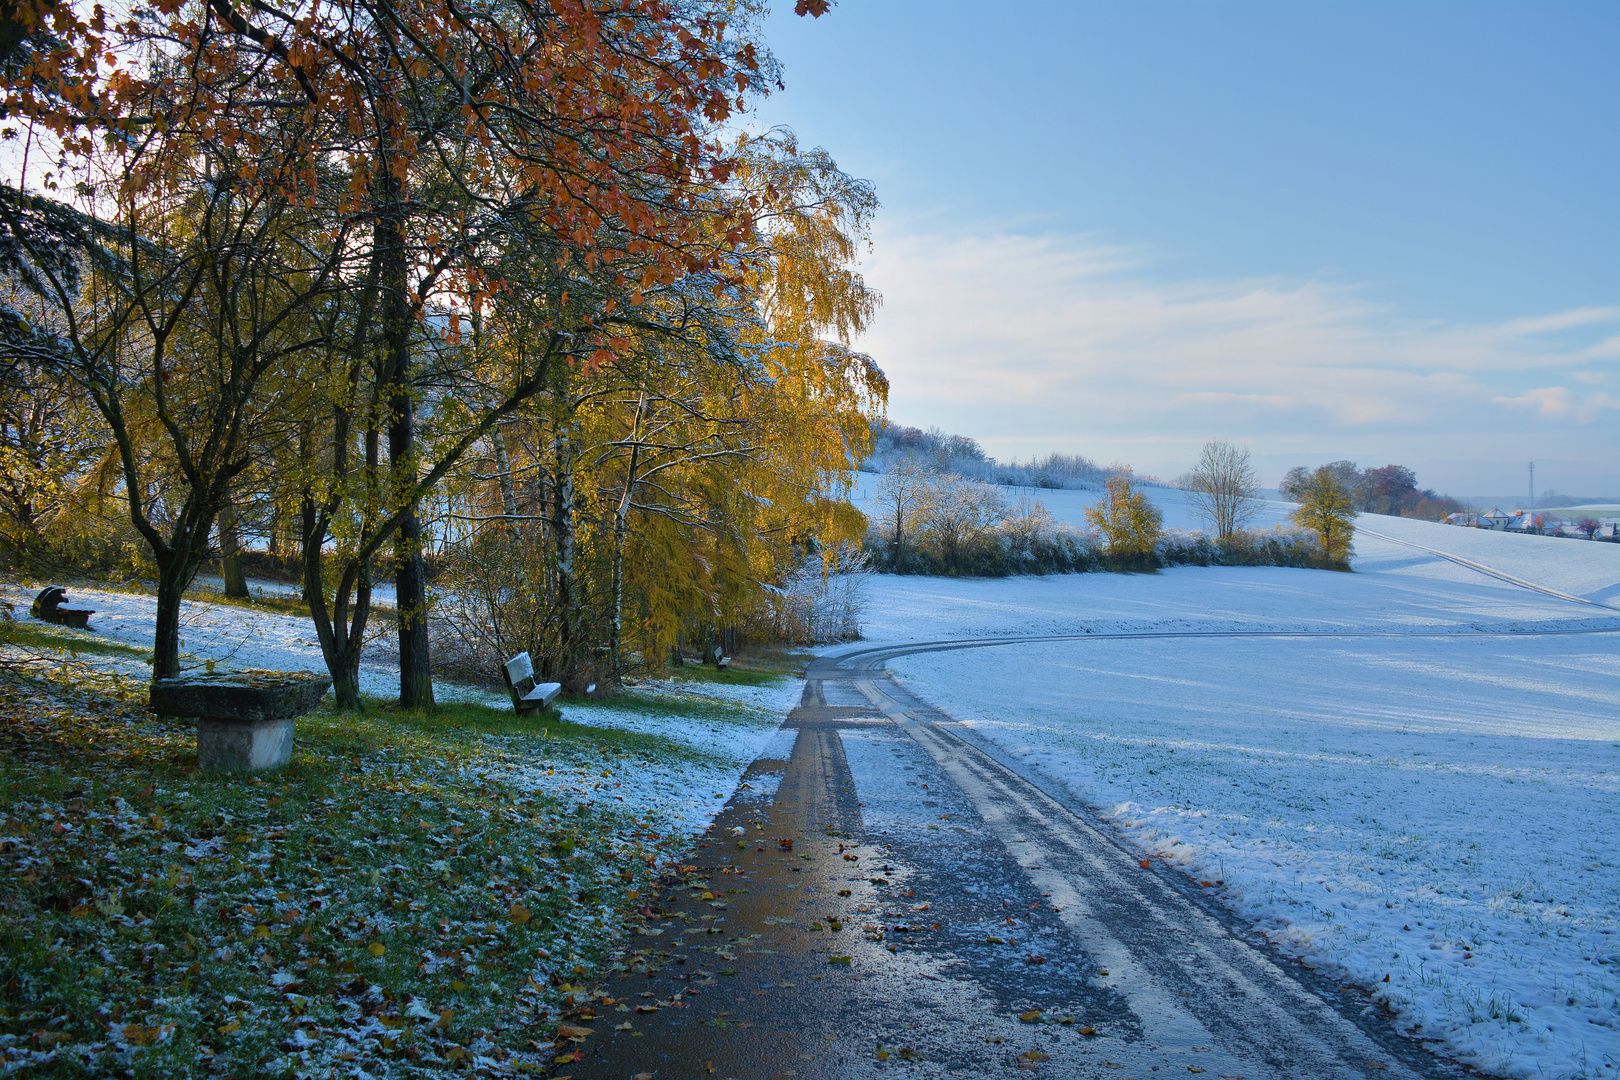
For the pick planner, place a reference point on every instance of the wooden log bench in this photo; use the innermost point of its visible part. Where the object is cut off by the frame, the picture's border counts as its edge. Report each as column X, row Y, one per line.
column 244, row 718
column 48, row 607
column 527, row 695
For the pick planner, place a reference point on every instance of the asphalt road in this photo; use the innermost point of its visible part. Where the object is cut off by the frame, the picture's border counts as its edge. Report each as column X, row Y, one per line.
column 909, row 901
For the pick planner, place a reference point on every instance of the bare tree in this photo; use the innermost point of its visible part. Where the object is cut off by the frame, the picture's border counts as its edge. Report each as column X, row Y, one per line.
column 1223, row 487
column 959, row 516
column 902, row 493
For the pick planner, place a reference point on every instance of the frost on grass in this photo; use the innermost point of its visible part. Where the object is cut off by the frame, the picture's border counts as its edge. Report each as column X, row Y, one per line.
column 395, row 903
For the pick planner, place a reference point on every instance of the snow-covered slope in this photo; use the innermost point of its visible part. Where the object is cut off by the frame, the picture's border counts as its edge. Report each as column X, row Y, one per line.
column 1585, row 568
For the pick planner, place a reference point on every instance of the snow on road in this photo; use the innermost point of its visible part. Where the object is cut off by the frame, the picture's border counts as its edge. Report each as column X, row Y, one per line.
column 1437, row 810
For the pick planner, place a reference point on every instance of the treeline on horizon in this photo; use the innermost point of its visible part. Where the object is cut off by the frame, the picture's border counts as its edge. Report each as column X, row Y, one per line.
column 962, row 456
column 1389, row 489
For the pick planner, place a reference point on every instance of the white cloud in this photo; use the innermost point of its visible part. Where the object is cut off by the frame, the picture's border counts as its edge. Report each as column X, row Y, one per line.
column 1558, row 403
column 1038, row 343
column 1608, row 348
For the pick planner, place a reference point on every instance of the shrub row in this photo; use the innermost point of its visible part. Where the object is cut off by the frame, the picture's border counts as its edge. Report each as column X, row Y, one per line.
column 1066, row 550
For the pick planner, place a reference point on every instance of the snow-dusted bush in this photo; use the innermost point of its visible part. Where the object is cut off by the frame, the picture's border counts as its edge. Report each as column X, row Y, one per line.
column 1279, row 546
column 822, row 601
column 1030, row 541
column 491, row 603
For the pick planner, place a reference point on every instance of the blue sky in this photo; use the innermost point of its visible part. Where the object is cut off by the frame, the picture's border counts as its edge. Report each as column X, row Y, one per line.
column 1381, row 231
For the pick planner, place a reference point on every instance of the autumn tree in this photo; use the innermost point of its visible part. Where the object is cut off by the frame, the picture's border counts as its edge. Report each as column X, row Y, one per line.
column 666, row 491
column 1328, row 508
column 177, row 304
column 1223, row 487
column 49, row 435
column 1129, row 522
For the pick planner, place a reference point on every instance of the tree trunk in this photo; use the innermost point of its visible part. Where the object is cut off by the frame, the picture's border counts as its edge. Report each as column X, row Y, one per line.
column 339, row 632
column 503, row 472
column 621, row 521
column 166, row 633
column 231, row 554
column 410, row 573
column 562, row 537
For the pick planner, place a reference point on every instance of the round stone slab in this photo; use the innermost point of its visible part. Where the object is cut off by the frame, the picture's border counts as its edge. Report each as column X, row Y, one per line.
column 240, row 695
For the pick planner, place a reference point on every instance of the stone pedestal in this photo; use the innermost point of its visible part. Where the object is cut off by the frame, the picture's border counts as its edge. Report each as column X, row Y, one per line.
column 245, row 718
column 243, row 745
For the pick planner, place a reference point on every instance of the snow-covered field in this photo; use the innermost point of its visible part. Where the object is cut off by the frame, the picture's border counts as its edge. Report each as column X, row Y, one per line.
column 1438, row 810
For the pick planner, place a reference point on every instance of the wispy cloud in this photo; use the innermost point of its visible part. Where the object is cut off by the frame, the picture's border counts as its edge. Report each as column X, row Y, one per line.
column 1559, row 403
column 1034, row 343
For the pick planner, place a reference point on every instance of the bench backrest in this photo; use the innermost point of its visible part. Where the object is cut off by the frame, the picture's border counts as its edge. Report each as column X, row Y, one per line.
column 519, row 669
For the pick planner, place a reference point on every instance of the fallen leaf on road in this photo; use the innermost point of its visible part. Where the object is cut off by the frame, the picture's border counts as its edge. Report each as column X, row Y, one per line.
column 1144, row 864
column 1031, row 1017
column 572, row 1033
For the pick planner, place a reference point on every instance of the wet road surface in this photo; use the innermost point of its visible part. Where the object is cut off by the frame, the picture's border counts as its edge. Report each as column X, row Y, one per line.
column 908, row 901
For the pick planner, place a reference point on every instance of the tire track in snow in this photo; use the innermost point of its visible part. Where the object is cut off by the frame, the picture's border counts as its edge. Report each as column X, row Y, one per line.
column 1190, row 971
column 1487, row 571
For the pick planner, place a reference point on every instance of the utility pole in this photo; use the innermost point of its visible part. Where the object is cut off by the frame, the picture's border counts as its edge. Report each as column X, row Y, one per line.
column 1532, row 485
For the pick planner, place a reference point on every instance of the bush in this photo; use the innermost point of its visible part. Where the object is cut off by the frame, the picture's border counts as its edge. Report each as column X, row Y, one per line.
column 822, row 601
column 1030, row 541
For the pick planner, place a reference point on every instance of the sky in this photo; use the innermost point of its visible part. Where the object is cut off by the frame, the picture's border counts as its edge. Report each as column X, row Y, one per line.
column 1387, row 232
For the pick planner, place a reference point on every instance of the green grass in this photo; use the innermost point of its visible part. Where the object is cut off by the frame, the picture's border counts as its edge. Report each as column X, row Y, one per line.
column 754, row 669
column 35, row 635
column 148, row 910
column 552, row 731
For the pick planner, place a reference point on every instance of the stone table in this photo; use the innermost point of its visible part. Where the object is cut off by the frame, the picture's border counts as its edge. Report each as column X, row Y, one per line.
column 244, row 718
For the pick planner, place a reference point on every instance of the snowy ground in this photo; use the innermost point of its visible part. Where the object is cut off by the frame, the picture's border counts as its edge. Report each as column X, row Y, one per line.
column 721, row 730
column 1440, row 811
column 713, row 731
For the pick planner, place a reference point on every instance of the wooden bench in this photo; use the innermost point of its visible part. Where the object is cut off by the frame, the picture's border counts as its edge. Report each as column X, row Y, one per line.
column 48, row 607
column 527, row 695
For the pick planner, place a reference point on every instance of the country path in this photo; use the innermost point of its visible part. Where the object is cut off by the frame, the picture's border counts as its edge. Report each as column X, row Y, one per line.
column 942, row 912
